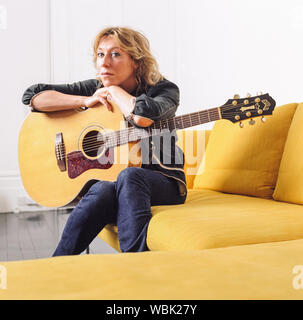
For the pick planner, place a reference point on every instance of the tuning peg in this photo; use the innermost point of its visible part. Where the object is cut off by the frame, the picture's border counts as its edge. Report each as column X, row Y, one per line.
column 263, row 119
column 236, row 96
column 252, row 122
column 241, row 124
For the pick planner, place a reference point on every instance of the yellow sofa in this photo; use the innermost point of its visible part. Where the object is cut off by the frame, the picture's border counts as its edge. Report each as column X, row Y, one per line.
column 238, row 236
column 236, row 188
column 263, row 271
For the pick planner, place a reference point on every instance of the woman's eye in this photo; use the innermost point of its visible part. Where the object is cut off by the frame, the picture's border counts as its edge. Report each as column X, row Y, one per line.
column 115, row 54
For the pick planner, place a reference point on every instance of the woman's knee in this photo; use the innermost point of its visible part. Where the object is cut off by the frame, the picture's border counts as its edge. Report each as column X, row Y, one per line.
column 131, row 182
column 129, row 174
column 99, row 201
column 101, row 192
column 102, row 187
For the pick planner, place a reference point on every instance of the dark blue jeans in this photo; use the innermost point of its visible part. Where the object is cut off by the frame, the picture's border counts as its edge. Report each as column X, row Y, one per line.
column 126, row 202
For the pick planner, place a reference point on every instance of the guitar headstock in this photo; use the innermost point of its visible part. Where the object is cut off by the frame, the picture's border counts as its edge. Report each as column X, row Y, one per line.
column 239, row 109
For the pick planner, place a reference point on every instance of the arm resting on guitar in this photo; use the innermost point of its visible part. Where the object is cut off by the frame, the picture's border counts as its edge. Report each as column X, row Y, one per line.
column 158, row 102
column 45, row 102
column 50, row 100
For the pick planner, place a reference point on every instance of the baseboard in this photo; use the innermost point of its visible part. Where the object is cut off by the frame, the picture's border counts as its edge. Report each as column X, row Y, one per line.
column 13, row 197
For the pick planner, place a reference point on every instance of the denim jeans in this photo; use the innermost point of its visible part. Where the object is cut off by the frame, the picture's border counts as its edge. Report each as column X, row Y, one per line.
column 126, row 202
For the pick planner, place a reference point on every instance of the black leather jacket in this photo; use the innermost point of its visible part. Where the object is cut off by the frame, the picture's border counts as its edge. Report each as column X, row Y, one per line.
column 159, row 102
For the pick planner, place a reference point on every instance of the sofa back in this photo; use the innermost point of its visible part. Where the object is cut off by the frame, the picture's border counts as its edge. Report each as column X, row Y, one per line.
column 289, row 187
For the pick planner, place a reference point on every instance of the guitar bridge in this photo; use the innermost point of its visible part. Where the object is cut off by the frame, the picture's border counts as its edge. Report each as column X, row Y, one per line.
column 60, row 152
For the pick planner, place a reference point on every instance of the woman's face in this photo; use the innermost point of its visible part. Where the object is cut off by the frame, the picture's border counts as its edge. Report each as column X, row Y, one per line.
column 115, row 66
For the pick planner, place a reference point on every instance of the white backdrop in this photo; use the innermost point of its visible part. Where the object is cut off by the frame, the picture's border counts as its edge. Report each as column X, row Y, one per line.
column 211, row 48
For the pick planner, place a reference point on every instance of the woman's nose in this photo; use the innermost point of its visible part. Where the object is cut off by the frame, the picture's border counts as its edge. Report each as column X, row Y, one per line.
column 105, row 61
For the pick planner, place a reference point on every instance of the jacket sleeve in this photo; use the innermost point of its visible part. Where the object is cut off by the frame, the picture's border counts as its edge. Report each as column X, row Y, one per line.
column 81, row 88
column 159, row 102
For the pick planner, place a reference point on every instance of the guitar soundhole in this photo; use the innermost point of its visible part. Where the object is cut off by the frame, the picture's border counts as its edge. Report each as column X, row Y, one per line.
column 93, row 143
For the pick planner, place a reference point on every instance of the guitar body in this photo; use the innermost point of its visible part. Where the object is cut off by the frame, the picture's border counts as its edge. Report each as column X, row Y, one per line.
column 74, row 133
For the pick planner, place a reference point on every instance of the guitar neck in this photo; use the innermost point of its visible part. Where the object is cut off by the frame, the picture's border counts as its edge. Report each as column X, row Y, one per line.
column 180, row 122
column 188, row 120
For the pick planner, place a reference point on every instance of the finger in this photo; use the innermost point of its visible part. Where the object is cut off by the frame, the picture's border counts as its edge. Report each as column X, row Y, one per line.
column 106, row 104
column 109, row 98
column 91, row 102
column 102, row 92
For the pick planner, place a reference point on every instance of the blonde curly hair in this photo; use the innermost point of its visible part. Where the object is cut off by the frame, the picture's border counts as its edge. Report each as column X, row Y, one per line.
column 137, row 46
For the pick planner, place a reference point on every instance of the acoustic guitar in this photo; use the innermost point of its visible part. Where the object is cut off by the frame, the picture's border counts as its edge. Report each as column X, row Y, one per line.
column 61, row 154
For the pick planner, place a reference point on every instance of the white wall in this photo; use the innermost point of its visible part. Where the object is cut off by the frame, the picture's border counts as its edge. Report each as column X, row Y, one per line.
column 210, row 48
column 24, row 59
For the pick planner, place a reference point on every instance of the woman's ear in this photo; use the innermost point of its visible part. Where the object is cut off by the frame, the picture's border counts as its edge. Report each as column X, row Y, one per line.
column 135, row 65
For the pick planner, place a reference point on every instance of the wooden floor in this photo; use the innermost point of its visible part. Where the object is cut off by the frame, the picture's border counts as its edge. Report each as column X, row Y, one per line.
column 33, row 235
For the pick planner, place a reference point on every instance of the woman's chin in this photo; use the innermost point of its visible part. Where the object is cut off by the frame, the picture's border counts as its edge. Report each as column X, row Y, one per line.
column 108, row 83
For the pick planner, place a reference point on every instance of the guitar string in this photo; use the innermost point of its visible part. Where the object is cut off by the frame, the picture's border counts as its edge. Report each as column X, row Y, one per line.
column 112, row 142
column 197, row 113
column 94, row 147
column 169, row 123
column 91, row 145
column 226, row 107
column 125, row 133
column 124, row 136
column 112, row 136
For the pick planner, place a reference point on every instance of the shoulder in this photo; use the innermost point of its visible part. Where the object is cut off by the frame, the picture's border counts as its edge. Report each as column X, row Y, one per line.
column 84, row 87
column 90, row 83
column 163, row 87
column 163, row 84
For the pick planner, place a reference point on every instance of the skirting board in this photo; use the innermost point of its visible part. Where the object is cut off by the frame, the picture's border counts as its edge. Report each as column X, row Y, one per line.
column 13, row 197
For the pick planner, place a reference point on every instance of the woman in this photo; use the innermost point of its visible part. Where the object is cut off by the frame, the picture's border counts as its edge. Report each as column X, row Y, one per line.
column 128, row 76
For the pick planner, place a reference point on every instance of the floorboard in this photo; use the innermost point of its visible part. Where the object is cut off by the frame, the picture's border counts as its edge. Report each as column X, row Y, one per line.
column 34, row 235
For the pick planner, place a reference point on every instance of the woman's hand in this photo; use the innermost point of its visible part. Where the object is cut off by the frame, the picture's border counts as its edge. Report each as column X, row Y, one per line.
column 116, row 95
column 102, row 96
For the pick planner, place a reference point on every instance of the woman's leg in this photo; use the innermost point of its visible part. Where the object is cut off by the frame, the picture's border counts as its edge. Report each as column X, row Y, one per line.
column 95, row 210
column 137, row 190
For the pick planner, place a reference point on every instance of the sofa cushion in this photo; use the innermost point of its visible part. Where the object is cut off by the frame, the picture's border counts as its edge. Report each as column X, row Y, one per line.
column 290, row 179
column 263, row 271
column 245, row 161
column 211, row 219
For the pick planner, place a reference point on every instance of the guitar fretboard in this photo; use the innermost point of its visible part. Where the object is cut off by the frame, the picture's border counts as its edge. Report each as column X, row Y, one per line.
column 124, row 136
